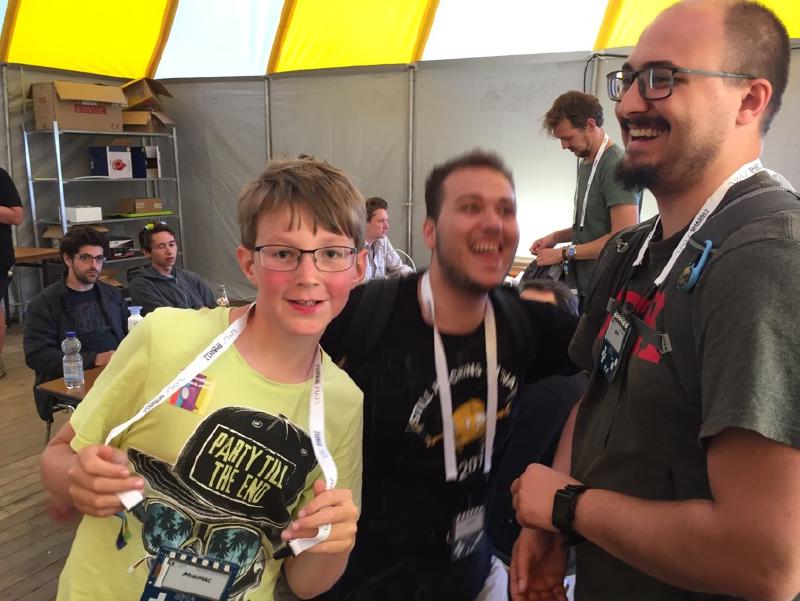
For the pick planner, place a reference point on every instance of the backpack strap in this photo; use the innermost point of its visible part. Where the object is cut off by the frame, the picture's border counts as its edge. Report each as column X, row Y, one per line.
column 675, row 322
column 506, row 301
column 370, row 317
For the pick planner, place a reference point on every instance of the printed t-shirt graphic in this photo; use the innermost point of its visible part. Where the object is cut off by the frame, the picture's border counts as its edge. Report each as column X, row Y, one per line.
column 228, row 492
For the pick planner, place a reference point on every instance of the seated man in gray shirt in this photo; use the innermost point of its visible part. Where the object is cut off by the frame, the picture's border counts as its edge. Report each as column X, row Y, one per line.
column 162, row 283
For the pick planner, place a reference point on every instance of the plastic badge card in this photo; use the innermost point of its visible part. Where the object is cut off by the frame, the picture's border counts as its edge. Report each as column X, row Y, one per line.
column 183, row 576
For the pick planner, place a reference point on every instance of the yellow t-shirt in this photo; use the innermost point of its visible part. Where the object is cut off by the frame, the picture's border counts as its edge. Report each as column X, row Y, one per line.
column 227, row 460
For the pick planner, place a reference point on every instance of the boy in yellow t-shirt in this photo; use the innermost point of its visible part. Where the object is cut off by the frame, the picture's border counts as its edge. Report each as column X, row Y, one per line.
column 226, row 464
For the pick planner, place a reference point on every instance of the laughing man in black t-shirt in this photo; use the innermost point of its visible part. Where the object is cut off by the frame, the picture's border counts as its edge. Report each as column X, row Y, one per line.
column 95, row 311
column 422, row 531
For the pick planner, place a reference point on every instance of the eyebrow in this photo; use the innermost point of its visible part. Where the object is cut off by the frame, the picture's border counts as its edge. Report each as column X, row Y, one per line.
column 663, row 63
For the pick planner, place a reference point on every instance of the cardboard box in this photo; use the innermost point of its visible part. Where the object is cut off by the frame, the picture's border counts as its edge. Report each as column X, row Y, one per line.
column 82, row 214
column 82, row 106
column 153, row 155
column 54, row 233
column 147, row 121
column 143, row 94
column 111, row 161
column 139, row 205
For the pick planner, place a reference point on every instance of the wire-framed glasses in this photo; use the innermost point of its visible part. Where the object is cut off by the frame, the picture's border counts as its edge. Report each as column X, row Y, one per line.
column 277, row 257
column 656, row 83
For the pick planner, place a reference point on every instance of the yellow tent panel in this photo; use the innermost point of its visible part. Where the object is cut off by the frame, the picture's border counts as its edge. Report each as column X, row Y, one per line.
column 94, row 36
column 318, row 34
column 625, row 20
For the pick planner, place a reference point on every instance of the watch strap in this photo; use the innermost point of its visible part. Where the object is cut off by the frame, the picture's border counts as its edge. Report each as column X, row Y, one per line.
column 564, row 503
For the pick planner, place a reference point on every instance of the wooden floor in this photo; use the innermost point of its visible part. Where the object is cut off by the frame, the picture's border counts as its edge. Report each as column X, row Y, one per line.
column 32, row 547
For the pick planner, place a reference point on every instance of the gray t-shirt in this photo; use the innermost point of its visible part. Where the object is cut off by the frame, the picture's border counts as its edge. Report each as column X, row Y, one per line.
column 605, row 193
column 643, row 435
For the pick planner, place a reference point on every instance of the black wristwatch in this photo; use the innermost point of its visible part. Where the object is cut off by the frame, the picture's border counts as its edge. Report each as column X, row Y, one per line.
column 564, row 503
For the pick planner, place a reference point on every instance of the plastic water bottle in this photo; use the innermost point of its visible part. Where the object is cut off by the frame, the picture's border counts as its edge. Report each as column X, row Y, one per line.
column 135, row 316
column 222, row 297
column 73, row 362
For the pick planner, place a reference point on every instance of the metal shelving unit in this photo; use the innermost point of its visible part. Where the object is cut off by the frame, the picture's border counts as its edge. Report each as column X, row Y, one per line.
column 153, row 185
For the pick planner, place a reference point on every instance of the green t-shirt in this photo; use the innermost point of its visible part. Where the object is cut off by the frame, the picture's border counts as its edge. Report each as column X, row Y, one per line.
column 227, row 461
column 605, row 193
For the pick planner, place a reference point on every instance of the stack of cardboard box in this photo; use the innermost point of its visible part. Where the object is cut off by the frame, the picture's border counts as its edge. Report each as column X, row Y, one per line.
column 145, row 112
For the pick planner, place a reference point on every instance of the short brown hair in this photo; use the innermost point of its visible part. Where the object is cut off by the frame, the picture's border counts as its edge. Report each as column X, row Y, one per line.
column 375, row 203
column 475, row 158
column 576, row 107
column 756, row 42
column 322, row 191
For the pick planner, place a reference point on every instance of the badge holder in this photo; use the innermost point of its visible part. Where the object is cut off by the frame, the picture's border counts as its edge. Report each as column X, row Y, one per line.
column 467, row 532
column 183, row 576
column 615, row 343
column 691, row 273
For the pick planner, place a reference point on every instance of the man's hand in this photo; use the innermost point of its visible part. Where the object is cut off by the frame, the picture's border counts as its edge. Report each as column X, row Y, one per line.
column 533, row 494
column 100, row 472
column 102, row 358
column 538, row 565
column 549, row 256
column 334, row 507
column 548, row 241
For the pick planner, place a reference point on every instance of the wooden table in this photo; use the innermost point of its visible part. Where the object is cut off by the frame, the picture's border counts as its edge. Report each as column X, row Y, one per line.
column 58, row 389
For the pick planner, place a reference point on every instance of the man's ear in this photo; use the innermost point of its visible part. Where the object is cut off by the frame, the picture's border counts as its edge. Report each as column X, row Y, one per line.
column 429, row 233
column 755, row 99
column 246, row 259
column 590, row 124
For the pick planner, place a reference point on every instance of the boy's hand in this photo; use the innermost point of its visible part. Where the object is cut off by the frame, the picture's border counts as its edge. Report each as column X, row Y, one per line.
column 334, row 507
column 99, row 473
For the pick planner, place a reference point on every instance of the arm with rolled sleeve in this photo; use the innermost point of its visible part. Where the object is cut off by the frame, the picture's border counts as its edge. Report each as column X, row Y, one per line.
column 395, row 268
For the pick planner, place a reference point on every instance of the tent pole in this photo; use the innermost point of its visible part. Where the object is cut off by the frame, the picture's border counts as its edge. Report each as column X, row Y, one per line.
column 410, row 176
column 267, row 119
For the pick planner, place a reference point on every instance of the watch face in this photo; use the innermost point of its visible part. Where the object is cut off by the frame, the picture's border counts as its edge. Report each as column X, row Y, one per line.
column 562, row 509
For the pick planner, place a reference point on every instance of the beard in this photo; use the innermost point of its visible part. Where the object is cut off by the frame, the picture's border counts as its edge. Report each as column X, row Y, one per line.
column 457, row 276
column 676, row 171
column 86, row 277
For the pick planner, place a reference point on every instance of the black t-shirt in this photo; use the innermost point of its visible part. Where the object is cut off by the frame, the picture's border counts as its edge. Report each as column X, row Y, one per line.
column 407, row 505
column 9, row 197
column 91, row 323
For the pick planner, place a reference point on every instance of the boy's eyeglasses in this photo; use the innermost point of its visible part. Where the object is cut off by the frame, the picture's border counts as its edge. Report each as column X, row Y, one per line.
column 656, row 83
column 89, row 259
column 287, row 258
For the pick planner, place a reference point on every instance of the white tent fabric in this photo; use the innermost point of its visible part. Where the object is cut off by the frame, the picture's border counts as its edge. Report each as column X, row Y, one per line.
column 211, row 38
column 476, row 28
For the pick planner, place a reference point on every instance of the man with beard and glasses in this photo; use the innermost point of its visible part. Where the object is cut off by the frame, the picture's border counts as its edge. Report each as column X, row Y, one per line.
column 422, row 530
column 685, row 456
column 602, row 205
column 78, row 303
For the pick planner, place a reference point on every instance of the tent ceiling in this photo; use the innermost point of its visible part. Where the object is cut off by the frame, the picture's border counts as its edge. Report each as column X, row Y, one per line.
column 208, row 38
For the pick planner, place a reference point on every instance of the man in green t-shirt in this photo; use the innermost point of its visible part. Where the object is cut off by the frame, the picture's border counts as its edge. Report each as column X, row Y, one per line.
column 602, row 205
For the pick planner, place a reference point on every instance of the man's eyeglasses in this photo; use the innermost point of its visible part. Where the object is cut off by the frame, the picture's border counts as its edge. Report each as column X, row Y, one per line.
column 656, row 83
column 150, row 226
column 287, row 258
column 89, row 259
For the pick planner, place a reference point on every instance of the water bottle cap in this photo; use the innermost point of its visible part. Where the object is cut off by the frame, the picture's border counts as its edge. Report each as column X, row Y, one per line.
column 70, row 334
column 135, row 309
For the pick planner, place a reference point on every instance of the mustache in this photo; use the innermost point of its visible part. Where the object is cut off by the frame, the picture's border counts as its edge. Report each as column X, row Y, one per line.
column 643, row 122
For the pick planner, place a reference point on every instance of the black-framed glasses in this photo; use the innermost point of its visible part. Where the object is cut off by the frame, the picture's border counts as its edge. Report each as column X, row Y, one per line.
column 89, row 259
column 656, row 83
column 287, row 258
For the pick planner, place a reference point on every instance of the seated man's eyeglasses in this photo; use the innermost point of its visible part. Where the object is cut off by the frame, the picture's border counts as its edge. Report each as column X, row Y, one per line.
column 287, row 258
column 656, row 83
column 88, row 259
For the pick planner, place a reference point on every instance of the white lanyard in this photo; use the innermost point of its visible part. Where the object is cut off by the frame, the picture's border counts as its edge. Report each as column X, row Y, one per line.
column 595, row 163
column 445, row 393
column 741, row 174
column 316, row 416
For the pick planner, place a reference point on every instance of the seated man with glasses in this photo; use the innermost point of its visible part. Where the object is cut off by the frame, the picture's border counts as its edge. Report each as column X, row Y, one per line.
column 162, row 283
column 78, row 303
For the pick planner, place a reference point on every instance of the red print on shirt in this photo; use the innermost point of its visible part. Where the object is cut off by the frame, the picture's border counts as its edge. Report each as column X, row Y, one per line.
column 648, row 311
